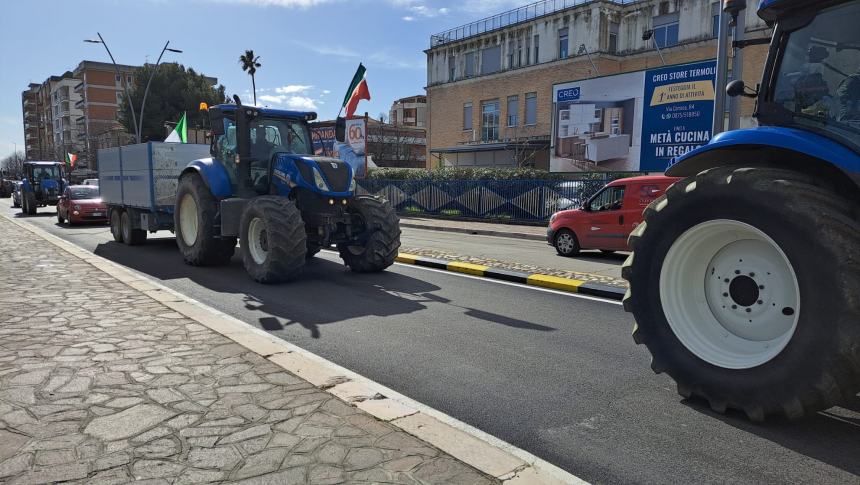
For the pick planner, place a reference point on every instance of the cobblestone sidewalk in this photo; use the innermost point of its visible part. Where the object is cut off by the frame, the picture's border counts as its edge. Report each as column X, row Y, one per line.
column 101, row 384
column 514, row 266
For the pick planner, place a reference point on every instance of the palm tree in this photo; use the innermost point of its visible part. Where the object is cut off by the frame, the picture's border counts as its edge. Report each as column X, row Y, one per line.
column 250, row 65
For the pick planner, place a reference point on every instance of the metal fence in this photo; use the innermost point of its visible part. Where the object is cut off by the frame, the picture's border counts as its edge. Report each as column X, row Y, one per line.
column 512, row 200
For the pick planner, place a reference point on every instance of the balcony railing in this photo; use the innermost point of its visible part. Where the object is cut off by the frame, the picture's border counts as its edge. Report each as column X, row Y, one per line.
column 80, row 104
column 511, row 17
column 79, row 87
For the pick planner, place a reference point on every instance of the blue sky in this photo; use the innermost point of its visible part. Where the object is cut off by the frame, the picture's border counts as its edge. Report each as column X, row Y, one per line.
column 309, row 48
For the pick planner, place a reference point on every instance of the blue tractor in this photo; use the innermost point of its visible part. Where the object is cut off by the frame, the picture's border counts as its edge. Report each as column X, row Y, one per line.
column 41, row 186
column 745, row 277
column 264, row 186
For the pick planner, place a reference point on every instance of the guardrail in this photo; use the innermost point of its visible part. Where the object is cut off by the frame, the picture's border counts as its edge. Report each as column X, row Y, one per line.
column 510, row 200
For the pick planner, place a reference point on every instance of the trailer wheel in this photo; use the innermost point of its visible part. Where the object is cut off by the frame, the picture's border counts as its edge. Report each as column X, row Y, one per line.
column 30, row 203
column 743, row 284
column 274, row 243
column 116, row 224
column 382, row 237
column 195, row 218
column 130, row 235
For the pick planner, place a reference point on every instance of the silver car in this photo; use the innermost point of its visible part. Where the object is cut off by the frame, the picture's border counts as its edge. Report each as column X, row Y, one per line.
column 16, row 194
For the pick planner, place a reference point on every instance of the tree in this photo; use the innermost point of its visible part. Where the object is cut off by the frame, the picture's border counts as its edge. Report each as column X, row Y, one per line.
column 249, row 64
column 12, row 165
column 382, row 117
column 175, row 90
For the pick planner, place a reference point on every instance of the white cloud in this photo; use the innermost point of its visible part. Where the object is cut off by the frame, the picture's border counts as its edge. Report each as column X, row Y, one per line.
column 409, row 18
column 278, row 3
column 374, row 59
column 292, row 88
column 301, row 103
column 326, row 91
column 272, row 99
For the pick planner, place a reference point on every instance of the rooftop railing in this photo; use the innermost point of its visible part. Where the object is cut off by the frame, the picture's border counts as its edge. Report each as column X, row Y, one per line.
column 511, row 17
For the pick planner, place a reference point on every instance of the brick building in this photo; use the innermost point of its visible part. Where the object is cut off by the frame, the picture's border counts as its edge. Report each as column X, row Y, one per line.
column 490, row 82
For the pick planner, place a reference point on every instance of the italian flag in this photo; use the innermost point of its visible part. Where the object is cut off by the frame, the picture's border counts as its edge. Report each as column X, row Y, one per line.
column 180, row 133
column 357, row 91
column 71, row 159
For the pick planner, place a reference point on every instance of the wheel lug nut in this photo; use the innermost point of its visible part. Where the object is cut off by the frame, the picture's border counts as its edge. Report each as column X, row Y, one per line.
column 749, row 310
column 734, row 307
column 725, row 295
column 752, row 275
column 760, row 302
column 737, row 271
column 761, row 287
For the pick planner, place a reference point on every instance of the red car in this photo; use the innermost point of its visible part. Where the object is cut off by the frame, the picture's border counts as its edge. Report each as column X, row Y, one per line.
column 606, row 220
column 81, row 203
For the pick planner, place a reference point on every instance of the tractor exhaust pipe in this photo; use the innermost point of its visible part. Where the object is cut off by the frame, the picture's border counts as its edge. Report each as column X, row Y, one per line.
column 243, row 150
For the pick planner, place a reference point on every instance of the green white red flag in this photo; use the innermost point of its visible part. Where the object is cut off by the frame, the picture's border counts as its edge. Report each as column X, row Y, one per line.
column 71, row 159
column 357, row 91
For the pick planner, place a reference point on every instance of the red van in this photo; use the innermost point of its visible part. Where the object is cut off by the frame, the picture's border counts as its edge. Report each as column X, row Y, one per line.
column 607, row 218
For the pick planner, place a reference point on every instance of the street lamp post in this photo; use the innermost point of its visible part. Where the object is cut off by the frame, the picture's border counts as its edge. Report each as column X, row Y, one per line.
column 149, row 81
column 648, row 35
column 124, row 84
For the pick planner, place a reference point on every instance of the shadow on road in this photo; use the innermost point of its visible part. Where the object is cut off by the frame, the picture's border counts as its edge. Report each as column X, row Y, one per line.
column 831, row 436
column 326, row 292
column 599, row 257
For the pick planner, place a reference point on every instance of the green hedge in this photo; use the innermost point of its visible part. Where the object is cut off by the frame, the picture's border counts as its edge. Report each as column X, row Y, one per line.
column 454, row 173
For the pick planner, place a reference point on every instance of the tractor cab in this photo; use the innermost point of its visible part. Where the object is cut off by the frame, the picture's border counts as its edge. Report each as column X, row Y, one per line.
column 812, row 78
column 42, row 185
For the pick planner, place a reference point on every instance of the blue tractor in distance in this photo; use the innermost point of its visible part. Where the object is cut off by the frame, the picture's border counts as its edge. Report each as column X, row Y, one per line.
column 263, row 186
column 745, row 277
column 41, row 186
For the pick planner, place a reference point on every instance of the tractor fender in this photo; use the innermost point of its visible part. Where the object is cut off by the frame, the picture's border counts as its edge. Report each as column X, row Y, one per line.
column 214, row 175
column 777, row 147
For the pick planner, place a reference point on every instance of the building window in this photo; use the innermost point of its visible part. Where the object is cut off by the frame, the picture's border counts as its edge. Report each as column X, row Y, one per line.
column 531, row 108
column 128, row 79
column 520, row 52
column 613, row 37
column 537, row 49
column 451, row 65
column 666, row 30
column 490, row 120
column 562, row 44
column 491, row 59
column 118, row 78
column 513, row 110
column 511, row 55
column 467, row 116
column 715, row 15
column 470, row 63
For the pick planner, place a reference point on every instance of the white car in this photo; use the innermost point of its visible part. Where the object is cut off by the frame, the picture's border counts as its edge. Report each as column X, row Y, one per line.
column 91, row 182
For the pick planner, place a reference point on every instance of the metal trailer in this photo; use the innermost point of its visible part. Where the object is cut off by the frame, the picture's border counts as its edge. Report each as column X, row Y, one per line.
column 138, row 184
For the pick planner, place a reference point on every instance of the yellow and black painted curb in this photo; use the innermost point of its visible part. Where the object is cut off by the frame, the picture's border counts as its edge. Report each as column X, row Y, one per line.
column 533, row 279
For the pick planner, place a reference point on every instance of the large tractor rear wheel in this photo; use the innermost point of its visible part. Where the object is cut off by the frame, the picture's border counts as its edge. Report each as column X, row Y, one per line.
column 744, row 285
column 30, row 203
column 194, row 220
column 274, row 243
column 381, row 238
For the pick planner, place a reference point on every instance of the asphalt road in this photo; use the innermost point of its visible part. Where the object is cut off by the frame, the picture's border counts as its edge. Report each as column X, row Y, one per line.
column 525, row 251
column 554, row 374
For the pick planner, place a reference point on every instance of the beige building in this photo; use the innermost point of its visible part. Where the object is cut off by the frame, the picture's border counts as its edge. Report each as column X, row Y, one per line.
column 411, row 111
column 490, row 82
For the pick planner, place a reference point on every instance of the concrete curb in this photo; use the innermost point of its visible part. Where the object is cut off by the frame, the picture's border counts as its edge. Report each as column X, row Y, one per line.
column 479, row 232
column 534, row 279
column 470, row 445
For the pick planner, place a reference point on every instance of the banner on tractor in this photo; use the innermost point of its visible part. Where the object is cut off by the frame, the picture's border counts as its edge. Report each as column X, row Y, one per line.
column 636, row 121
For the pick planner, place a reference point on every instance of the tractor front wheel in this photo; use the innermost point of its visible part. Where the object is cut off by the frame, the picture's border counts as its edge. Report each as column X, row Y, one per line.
column 754, row 310
column 274, row 243
column 381, row 237
column 30, row 203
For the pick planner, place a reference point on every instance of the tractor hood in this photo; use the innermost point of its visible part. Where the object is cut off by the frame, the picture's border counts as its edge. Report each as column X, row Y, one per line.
column 335, row 174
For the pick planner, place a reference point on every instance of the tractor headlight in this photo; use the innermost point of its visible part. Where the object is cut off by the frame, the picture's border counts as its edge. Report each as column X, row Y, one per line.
column 319, row 181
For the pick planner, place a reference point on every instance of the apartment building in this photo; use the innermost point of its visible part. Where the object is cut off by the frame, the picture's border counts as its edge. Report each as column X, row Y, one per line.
column 34, row 143
column 101, row 89
column 411, row 111
column 64, row 113
column 494, row 86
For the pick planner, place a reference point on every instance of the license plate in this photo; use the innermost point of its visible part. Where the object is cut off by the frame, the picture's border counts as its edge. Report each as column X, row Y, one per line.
column 97, row 214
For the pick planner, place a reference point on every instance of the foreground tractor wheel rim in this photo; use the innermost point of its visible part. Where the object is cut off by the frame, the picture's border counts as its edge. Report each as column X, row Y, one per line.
column 258, row 245
column 730, row 294
column 565, row 243
column 188, row 219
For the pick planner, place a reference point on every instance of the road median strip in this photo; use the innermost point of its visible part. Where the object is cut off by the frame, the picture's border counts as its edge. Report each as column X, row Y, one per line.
column 533, row 279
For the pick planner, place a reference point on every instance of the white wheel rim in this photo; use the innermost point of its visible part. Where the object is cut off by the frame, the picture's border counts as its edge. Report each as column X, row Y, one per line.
column 730, row 294
column 188, row 219
column 565, row 243
column 258, row 245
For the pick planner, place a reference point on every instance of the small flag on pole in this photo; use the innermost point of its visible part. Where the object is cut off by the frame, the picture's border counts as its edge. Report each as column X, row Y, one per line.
column 180, row 133
column 71, row 159
column 357, row 91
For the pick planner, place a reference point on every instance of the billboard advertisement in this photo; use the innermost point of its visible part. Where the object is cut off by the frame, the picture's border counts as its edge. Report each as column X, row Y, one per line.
column 635, row 121
column 352, row 151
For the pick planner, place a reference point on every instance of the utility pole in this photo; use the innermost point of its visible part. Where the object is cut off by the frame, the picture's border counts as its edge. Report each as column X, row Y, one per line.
column 148, row 82
column 121, row 80
column 739, row 22
column 718, row 125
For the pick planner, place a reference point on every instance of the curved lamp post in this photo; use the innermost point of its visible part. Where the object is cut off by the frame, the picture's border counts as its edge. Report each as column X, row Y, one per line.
column 124, row 84
column 149, row 81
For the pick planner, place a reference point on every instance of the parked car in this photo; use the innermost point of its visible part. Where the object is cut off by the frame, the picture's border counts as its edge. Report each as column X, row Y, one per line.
column 605, row 221
column 81, row 203
column 91, row 182
column 16, row 193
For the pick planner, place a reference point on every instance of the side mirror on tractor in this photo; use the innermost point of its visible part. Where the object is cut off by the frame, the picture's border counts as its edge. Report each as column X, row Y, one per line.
column 340, row 129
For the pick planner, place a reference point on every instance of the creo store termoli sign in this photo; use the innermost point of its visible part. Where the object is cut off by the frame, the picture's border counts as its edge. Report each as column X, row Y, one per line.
column 633, row 121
